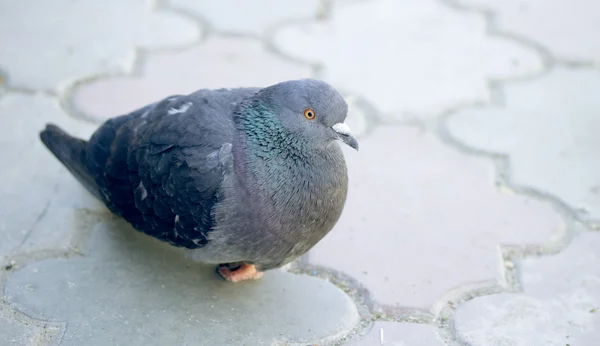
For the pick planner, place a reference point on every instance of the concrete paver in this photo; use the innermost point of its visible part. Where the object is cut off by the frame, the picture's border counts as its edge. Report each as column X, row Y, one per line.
column 14, row 331
column 216, row 63
column 566, row 27
column 422, row 217
column 39, row 208
column 549, row 128
column 560, row 305
column 232, row 16
column 425, row 219
column 54, row 48
column 415, row 56
column 132, row 290
column 399, row 334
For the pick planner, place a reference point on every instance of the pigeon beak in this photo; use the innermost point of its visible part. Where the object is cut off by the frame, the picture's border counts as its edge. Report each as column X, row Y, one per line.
column 345, row 135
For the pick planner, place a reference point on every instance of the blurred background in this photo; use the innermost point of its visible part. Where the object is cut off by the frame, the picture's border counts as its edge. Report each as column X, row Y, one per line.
column 474, row 203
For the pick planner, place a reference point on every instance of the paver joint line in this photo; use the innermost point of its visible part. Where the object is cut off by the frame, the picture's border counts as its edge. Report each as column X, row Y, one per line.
column 450, row 316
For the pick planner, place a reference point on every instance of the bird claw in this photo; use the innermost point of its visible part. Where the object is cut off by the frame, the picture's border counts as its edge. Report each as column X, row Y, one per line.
column 241, row 273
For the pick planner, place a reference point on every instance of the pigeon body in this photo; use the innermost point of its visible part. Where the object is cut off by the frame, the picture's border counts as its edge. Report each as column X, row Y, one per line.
column 246, row 178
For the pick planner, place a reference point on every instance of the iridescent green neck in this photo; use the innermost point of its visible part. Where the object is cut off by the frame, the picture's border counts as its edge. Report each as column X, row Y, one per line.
column 263, row 134
column 284, row 173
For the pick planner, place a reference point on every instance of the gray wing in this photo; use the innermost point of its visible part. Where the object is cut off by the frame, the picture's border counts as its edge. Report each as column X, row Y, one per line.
column 161, row 167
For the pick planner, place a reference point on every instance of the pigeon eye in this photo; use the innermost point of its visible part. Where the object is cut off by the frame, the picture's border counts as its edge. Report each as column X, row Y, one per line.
column 309, row 114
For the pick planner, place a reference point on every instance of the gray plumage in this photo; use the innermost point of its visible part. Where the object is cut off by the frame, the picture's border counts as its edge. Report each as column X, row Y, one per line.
column 237, row 175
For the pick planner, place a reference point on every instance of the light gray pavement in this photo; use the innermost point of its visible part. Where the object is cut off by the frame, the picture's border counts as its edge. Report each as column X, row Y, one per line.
column 473, row 215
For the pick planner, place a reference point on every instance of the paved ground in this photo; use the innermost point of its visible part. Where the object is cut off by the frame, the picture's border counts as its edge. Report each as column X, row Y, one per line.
column 474, row 209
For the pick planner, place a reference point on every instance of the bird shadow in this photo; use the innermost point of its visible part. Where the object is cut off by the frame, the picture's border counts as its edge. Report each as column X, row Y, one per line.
column 129, row 288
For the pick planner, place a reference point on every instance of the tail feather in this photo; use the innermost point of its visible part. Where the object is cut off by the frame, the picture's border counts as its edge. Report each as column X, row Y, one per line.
column 71, row 152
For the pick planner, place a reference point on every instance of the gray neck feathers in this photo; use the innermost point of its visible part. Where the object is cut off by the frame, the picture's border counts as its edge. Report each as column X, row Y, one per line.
column 279, row 167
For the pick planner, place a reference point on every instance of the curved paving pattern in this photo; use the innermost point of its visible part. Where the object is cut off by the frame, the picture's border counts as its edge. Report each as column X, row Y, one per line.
column 415, row 56
column 232, row 16
column 549, row 129
column 54, row 48
column 16, row 329
column 560, row 304
column 216, row 63
column 566, row 27
column 429, row 251
column 40, row 199
column 131, row 289
column 414, row 218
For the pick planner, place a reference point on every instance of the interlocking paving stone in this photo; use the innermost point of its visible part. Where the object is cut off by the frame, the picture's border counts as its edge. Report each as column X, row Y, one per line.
column 566, row 27
column 549, row 128
column 249, row 17
column 216, row 63
column 18, row 333
column 560, row 304
column 40, row 198
column 414, row 56
column 52, row 47
column 131, row 290
column 422, row 218
column 399, row 334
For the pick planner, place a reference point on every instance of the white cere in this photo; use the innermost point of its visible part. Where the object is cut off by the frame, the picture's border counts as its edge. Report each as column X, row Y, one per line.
column 342, row 129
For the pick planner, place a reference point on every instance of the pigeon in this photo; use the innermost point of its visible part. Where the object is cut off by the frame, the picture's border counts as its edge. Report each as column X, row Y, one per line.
column 247, row 179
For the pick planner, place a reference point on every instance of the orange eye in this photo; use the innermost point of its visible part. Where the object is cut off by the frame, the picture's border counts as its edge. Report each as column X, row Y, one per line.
column 309, row 114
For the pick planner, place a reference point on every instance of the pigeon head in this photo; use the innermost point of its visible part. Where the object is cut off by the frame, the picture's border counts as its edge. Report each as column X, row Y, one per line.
column 306, row 111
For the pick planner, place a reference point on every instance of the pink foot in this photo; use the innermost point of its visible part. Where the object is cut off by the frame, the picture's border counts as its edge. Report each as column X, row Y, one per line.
column 242, row 273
